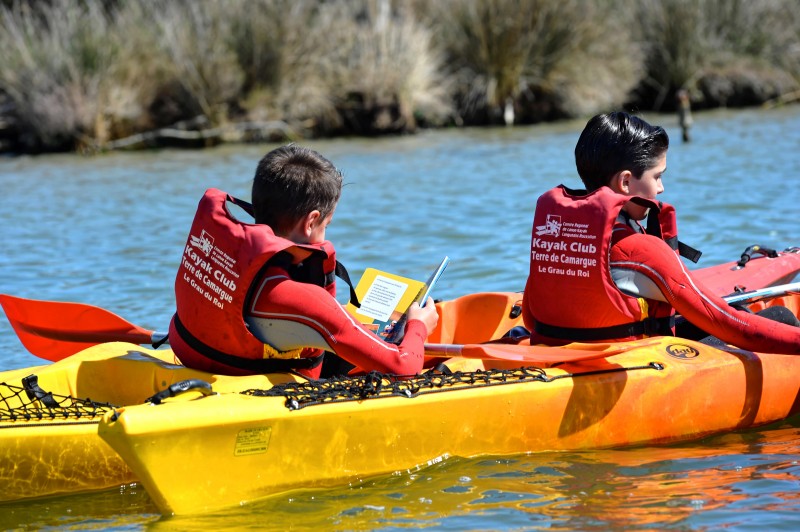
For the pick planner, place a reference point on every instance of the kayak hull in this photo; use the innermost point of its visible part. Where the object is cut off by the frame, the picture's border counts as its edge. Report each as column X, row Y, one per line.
column 252, row 447
column 49, row 458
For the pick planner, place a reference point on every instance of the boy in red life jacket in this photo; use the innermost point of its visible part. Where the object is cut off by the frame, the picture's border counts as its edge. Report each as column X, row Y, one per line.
column 258, row 298
column 598, row 274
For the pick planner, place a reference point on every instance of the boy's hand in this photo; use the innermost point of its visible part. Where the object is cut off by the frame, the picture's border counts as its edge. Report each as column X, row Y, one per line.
column 426, row 314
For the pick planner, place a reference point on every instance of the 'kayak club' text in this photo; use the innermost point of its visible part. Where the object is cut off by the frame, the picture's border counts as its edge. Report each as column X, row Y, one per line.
column 212, row 283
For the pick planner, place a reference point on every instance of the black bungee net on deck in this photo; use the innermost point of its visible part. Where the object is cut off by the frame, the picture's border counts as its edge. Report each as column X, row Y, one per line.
column 30, row 402
column 375, row 385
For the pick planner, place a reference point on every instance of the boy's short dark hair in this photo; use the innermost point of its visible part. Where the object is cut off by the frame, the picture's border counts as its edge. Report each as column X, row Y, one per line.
column 290, row 182
column 611, row 143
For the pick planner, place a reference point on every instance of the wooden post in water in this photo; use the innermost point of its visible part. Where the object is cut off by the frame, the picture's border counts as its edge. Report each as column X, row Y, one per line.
column 684, row 113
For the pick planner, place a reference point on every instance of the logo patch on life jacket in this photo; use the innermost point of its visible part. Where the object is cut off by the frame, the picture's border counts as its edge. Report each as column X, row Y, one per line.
column 682, row 351
column 551, row 227
column 205, row 242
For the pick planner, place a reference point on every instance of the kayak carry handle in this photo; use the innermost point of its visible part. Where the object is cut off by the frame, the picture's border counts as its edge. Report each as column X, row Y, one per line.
column 179, row 388
column 747, row 254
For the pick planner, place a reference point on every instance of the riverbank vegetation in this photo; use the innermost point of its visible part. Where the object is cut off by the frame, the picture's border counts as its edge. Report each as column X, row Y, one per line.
column 94, row 75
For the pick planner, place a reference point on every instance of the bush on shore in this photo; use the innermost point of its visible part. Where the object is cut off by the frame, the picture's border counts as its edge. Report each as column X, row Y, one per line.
column 724, row 52
column 93, row 75
column 528, row 61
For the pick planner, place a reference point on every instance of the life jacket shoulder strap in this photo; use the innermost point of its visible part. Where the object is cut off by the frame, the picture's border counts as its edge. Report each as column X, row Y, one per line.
column 341, row 273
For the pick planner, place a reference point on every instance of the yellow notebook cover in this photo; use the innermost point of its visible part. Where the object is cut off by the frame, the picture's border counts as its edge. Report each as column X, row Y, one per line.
column 384, row 299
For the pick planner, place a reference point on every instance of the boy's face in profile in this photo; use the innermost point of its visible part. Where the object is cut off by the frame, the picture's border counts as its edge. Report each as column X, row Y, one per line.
column 648, row 186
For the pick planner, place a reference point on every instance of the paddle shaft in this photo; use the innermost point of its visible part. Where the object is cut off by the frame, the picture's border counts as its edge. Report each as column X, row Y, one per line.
column 753, row 296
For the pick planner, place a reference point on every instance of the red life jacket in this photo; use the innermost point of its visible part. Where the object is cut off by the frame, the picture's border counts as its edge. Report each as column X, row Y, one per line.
column 570, row 294
column 222, row 259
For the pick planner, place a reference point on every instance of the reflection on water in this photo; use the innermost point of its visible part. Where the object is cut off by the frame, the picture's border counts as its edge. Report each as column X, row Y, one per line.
column 736, row 480
column 109, row 231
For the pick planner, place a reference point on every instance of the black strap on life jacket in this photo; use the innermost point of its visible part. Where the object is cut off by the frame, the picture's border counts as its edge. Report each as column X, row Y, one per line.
column 307, row 272
column 341, row 273
column 264, row 365
column 648, row 327
column 684, row 250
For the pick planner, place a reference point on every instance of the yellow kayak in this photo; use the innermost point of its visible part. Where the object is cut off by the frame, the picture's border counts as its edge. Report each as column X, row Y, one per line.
column 207, row 453
column 49, row 414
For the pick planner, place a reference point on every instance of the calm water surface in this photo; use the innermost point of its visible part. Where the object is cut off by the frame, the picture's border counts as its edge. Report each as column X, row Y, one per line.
column 109, row 231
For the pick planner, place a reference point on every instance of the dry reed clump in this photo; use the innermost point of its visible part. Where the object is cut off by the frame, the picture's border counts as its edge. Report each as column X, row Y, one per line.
column 76, row 70
column 139, row 73
column 386, row 74
column 77, row 74
column 363, row 67
column 725, row 52
column 58, row 69
column 85, row 74
column 282, row 46
column 541, row 59
column 194, row 37
column 602, row 63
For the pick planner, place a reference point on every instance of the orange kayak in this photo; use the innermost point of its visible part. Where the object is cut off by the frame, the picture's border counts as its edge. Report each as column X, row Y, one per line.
column 758, row 267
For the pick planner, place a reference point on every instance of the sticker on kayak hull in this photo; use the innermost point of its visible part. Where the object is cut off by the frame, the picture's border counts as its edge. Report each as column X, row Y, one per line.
column 252, row 441
column 682, row 351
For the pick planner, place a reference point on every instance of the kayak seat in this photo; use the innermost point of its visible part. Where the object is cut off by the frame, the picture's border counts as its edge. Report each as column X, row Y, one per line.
column 477, row 318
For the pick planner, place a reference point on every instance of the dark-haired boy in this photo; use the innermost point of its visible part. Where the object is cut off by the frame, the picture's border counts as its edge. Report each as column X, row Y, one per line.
column 599, row 272
column 258, row 298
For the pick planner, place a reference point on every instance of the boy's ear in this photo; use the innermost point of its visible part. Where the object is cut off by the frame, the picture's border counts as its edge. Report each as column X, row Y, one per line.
column 310, row 222
column 621, row 182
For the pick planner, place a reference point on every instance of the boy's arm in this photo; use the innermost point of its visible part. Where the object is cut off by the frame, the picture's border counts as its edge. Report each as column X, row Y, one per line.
column 315, row 319
column 651, row 256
